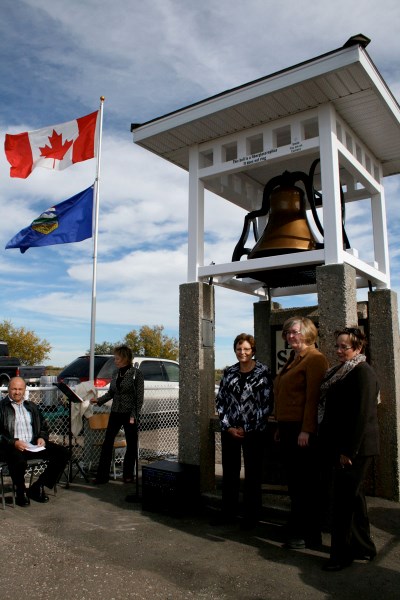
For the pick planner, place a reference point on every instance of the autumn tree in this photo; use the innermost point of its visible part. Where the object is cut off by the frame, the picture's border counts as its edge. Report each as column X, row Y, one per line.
column 104, row 348
column 148, row 341
column 151, row 341
column 24, row 344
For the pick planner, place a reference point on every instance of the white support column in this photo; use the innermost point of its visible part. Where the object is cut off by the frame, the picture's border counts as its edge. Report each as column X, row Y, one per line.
column 379, row 232
column 195, row 217
column 333, row 238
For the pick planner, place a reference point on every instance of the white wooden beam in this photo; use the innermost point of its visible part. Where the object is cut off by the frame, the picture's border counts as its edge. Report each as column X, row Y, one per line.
column 195, row 217
column 330, row 185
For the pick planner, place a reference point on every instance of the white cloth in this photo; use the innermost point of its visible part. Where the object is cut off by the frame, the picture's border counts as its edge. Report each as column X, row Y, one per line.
column 87, row 392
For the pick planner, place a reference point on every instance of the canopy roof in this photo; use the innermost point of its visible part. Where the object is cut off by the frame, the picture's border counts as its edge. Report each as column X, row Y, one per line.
column 347, row 77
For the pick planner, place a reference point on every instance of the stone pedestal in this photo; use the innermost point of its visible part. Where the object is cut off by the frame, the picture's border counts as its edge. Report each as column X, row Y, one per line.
column 337, row 302
column 262, row 331
column 197, row 382
column 384, row 349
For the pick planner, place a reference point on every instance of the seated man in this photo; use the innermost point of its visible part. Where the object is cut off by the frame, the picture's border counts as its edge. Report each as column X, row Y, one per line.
column 21, row 424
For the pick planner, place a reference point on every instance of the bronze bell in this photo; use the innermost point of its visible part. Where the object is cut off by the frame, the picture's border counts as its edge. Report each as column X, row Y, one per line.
column 287, row 229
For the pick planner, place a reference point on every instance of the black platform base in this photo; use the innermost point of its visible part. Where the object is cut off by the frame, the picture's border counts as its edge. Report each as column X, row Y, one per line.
column 170, row 487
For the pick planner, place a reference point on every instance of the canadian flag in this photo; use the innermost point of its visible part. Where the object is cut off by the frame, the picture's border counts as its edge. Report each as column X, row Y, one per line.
column 55, row 147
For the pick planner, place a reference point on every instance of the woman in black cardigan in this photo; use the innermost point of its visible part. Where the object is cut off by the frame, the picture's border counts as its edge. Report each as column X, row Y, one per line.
column 349, row 439
column 127, row 392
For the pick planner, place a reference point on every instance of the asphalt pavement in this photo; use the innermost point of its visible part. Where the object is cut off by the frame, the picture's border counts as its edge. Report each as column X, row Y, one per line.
column 88, row 543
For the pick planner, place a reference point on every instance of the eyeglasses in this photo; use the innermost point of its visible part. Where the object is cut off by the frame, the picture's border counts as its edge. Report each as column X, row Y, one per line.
column 343, row 347
column 245, row 350
column 291, row 332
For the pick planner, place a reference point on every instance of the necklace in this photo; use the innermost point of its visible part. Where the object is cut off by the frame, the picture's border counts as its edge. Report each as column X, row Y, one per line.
column 122, row 370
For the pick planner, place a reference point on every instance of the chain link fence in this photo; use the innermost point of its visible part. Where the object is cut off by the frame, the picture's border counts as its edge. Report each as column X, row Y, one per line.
column 158, row 431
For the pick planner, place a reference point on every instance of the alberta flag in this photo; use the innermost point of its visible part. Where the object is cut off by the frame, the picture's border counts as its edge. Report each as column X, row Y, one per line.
column 69, row 221
column 56, row 147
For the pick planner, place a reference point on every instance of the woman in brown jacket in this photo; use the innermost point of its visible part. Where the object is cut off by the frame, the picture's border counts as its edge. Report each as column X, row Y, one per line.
column 296, row 390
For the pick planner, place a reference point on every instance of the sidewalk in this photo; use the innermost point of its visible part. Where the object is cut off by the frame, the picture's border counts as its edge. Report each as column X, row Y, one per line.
column 88, row 543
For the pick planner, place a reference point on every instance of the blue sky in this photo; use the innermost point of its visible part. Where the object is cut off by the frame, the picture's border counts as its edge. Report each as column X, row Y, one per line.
column 147, row 58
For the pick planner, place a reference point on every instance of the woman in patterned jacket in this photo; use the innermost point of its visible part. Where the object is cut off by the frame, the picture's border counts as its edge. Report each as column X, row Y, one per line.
column 244, row 402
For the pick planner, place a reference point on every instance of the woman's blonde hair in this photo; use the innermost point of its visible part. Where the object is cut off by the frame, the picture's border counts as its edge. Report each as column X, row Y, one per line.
column 307, row 329
column 124, row 352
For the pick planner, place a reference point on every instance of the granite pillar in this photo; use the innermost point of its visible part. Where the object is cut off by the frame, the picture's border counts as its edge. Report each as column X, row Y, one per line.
column 337, row 302
column 262, row 330
column 197, row 382
column 384, row 350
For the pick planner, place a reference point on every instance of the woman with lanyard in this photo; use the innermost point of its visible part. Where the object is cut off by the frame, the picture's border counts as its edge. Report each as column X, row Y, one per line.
column 126, row 391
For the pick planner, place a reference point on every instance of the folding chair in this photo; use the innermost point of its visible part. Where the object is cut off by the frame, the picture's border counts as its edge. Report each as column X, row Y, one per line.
column 35, row 466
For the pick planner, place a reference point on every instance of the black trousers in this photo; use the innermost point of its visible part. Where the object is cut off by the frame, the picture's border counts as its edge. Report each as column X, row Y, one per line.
column 253, row 445
column 302, row 477
column 351, row 537
column 116, row 421
column 17, row 463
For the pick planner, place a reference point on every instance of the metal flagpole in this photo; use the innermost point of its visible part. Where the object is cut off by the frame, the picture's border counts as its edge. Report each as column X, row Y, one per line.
column 95, row 233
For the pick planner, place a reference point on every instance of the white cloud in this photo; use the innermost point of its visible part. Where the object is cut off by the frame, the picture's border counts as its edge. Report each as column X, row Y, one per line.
column 148, row 58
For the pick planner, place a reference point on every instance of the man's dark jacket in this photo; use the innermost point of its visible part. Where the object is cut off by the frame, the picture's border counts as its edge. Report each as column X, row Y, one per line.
column 7, row 422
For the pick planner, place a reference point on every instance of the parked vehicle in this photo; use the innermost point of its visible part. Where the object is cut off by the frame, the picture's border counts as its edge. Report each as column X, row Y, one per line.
column 78, row 370
column 161, row 385
column 12, row 367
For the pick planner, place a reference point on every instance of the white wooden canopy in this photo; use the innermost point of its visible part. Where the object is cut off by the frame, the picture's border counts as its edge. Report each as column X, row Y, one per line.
column 335, row 107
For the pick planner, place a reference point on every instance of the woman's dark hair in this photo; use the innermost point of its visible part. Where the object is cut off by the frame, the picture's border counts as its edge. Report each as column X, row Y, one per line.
column 357, row 339
column 124, row 352
column 245, row 337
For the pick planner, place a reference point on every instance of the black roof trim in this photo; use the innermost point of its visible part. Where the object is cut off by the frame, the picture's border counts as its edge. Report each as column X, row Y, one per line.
column 358, row 39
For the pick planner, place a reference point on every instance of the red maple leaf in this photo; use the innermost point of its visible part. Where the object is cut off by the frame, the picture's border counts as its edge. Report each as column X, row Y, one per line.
column 57, row 149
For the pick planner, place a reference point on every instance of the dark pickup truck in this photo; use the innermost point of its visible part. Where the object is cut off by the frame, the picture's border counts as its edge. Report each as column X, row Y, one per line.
column 12, row 367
